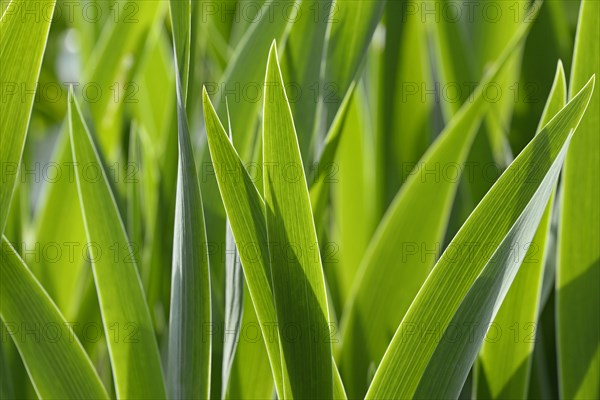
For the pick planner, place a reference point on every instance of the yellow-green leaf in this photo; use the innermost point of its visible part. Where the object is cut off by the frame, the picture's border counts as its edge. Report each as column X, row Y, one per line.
column 578, row 269
column 448, row 320
column 134, row 355
column 55, row 360
column 23, row 36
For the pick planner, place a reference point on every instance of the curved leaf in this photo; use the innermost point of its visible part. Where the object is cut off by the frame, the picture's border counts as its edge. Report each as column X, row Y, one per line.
column 505, row 364
column 469, row 282
column 135, row 359
column 246, row 213
column 23, row 38
column 56, row 362
column 406, row 244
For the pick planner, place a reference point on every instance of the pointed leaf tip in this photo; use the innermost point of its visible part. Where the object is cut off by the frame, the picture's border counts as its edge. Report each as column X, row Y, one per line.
column 273, row 56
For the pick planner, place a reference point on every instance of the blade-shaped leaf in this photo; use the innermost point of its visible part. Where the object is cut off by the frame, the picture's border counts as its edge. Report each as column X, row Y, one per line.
column 58, row 218
column 578, row 269
column 301, row 63
column 246, row 213
column 6, row 380
column 488, row 38
column 107, row 66
column 404, row 110
column 407, row 242
column 505, row 363
column 135, row 360
column 245, row 69
column 23, row 38
column 354, row 205
column 135, row 206
column 54, row 357
column 255, row 382
column 320, row 184
column 234, row 302
column 189, row 371
column 351, row 28
column 446, row 323
column 457, row 65
column 298, row 282
column 181, row 20
column 234, row 305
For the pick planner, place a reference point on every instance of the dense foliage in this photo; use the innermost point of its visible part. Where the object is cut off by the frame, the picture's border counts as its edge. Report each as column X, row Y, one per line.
column 305, row 199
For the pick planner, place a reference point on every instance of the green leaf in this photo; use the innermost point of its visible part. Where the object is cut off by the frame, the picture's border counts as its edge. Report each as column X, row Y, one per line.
column 234, row 306
column 135, row 205
column 297, row 273
column 189, row 371
column 505, row 363
column 489, row 37
column 6, row 380
column 245, row 69
column 550, row 39
column 240, row 86
column 250, row 376
column 134, row 355
column 406, row 243
column 58, row 218
column 351, row 28
column 54, row 357
column 156, row 114
column 301, row 63
column 543, row 380
column 350, row 177
column 454, row 62
column 320, row 179
column 108, row 67
column 578, row 274
column 181, row 20
column 446, row 323
column 405, row 109
column 16, row 374
column 458, row 67
column 246, row 213
column 23, row 38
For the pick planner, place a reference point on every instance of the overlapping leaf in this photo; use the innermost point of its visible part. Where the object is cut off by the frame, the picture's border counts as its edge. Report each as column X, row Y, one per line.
column 245, row 69
column 23, row 38
column 54, row 357
column 181, row 20
column 246, row 213
column 189, row 371
column 407, row 242
column 446, row 323
column 134, row 353
column 578, row 274
column 505, row 361
column 298, row 283
column 58, row 218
